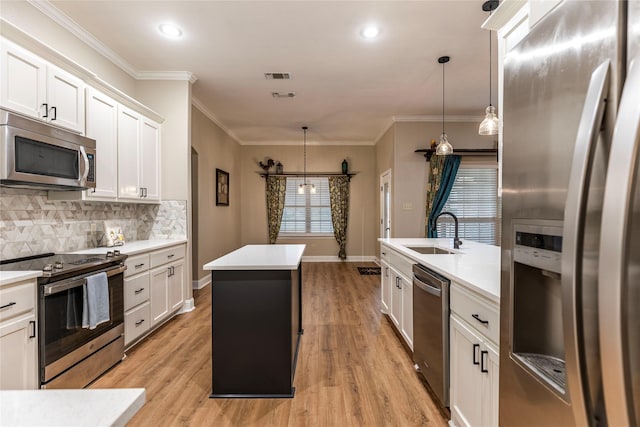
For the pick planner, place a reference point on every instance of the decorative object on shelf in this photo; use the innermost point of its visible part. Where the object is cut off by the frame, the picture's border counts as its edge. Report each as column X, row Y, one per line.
column 279, row 168
column 345, row 166
column 302, row 188
column 489, row 125
column 267, row 166
column 433, row 145
column 222, row 187
column 444, row 147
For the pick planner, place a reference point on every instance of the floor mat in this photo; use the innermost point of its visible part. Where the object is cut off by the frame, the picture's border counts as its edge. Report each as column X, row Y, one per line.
column 368, row 271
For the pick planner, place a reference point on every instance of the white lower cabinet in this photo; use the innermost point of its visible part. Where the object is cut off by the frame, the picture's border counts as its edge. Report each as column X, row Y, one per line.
column 154, row 290
column 385, row 287
column 397, row 288
column 474, row 362
column 18, row 336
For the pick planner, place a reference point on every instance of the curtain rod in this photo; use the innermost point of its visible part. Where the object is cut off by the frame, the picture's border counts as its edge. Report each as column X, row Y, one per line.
column 428, row 152
column 309, row 174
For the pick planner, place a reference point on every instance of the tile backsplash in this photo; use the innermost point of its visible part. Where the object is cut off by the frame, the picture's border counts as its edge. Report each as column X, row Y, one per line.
column 31, row 224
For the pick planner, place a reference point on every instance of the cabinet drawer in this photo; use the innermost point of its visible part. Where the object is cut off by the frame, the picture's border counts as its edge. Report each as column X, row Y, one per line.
column 136, row 290
column 167, row 255
column 384, row 253
column 402, row 264
column 136, row 322
column 136, row 264
column 482, row 316
column 16, row 299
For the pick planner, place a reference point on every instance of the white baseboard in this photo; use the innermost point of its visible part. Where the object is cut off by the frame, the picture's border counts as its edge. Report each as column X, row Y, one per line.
column 202, row 282
column 187, row 306
column 336, row 259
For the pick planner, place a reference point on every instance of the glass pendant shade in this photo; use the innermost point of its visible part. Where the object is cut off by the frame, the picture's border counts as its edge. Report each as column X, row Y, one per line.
column 489, row 125
column 444, row 148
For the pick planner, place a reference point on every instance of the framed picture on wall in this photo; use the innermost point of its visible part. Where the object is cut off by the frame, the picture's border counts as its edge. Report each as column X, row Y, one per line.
column 222, row 188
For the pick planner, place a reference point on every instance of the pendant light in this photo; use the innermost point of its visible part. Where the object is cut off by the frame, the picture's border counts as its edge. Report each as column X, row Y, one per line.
column 304, row 185
column 489, row 125
column 444, row 147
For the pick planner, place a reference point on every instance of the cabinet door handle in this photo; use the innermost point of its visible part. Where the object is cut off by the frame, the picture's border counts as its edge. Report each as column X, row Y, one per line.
column 386, row 272
column 144, row 191
column 171, row 256
column 46, row 110
column 139, row 265
column 8, row 305
column 475, row 354
column 55, row 113
column 141, row 192
column 137, row 291
column 32, row 323
column 483, row 369
column 139, row 322
column 477, row 317
column 384, row 253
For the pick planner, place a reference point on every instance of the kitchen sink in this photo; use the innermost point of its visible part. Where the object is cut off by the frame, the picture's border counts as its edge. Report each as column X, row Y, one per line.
column 431, row 250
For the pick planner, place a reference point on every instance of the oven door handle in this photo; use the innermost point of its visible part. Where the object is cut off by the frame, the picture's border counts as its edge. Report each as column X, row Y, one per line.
column 55, row 288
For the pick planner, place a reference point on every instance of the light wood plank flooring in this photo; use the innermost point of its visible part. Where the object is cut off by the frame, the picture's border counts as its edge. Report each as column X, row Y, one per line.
column 352, row 368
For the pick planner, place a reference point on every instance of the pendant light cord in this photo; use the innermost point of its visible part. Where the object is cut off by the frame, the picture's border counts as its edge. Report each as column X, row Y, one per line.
column 304, row 148
column 490, row 104
column 443, row 98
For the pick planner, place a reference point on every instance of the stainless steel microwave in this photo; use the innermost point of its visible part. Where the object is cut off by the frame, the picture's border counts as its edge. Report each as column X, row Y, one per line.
column 37, row 155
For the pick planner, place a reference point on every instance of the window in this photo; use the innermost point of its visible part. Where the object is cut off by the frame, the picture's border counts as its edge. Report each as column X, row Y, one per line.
column 307, row 214
column 474, row 200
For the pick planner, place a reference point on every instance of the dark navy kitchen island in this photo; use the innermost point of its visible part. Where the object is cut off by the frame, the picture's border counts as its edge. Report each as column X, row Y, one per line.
column 256, row 321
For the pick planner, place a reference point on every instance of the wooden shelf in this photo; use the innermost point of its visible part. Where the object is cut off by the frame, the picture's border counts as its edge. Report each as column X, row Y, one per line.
column 428, row 152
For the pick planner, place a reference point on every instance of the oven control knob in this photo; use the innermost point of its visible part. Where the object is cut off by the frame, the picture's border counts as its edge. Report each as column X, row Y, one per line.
column 109, row 254
column 58, row 265
column 116, row 252
column 47, row 267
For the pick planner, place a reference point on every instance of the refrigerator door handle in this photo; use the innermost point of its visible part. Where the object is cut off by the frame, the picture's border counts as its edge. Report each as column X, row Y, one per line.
column 614, row 253
column 573, row 235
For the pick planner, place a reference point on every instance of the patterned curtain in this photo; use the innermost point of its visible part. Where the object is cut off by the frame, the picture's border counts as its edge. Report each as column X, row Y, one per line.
column 339, row 196
column 448, row 173
column 435, row 176
column 276, row 189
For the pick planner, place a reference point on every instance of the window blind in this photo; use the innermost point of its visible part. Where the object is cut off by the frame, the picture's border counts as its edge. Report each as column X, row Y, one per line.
column 474, row 200
column 307, row 213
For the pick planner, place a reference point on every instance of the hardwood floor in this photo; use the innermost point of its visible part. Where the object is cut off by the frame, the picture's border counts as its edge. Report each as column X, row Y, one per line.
column 352, row 368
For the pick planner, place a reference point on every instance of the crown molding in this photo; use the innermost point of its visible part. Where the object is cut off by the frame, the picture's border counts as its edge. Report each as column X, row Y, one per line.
column 70, row 25
column 316, row 143
column 167, row 75
column 448, row 119
column 204, row 110
column 385, row 129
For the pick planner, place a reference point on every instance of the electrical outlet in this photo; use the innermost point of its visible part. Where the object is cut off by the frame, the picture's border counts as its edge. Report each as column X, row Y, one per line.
column 93, row 227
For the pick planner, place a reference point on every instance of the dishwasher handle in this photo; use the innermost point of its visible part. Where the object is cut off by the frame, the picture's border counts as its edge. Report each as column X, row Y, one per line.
column 426, row 287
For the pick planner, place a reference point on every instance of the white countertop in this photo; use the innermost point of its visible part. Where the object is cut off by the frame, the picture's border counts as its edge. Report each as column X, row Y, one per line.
column 87, row 407
column 135, row 247
column 259, row 257
column 7, row 277
column 475, row 265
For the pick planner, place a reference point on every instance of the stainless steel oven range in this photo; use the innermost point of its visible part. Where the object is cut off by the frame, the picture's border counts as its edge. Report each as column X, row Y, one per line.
column 70, row 355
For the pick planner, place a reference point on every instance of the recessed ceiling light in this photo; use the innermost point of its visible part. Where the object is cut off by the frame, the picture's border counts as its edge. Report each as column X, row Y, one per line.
column 370, row 32
column 170, row 30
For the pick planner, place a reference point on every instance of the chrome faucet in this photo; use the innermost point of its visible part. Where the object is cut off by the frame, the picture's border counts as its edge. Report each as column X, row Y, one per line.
column 456, row 241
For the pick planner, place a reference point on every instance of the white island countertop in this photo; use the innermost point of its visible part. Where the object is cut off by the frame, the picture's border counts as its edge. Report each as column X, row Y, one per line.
column 475, row 265
column 259, row 257
column 87, row 407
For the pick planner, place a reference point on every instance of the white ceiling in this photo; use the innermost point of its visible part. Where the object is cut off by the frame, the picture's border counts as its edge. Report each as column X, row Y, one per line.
column 348, row 90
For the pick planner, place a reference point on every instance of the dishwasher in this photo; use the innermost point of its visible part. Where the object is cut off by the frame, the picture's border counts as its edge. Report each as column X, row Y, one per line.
column 431, row 329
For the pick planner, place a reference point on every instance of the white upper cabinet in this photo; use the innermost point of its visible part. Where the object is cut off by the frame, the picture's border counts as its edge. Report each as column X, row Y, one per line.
column 138, row 156
column 33, row 87
column 150, row 160
column 102, row 125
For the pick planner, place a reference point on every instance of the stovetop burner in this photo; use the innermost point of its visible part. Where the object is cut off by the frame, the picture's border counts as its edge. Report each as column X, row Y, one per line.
column 53, row 265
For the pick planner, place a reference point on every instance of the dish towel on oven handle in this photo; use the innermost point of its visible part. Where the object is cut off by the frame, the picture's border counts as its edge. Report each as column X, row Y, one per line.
column 95, row 307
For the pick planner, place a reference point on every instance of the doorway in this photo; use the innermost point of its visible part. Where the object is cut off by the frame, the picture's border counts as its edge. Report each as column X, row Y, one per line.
column 194, row 215
column 385, row 204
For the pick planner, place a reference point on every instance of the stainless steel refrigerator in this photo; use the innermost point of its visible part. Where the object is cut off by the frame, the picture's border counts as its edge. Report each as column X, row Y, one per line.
column 570, row 281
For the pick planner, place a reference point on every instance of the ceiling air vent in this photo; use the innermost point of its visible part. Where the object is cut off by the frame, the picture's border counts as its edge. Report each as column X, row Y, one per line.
column 283, row 94
column 277, row 76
